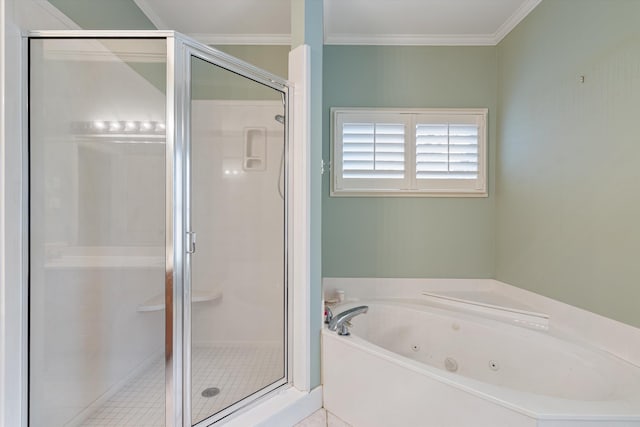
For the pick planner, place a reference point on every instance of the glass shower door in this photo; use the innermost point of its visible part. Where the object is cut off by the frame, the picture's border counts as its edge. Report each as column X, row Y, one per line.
column 238, row 271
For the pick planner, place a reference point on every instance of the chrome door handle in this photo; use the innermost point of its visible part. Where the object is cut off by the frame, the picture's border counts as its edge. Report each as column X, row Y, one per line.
column 191, row 242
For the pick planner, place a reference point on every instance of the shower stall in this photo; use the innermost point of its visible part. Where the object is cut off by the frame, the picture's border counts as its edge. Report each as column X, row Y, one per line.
column 158, row 231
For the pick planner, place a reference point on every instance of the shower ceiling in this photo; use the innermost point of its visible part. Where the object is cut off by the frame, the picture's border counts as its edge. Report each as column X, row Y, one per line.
column 400, row 22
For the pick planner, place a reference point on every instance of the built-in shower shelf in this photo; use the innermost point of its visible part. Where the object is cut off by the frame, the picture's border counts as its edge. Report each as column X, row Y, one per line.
column 157, row 302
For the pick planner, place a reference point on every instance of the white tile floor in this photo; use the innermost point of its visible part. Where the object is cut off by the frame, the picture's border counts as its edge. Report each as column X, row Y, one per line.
column 322, row 418
column 236, row 370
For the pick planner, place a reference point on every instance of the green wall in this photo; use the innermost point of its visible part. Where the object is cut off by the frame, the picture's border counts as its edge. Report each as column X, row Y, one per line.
column 413, row 236
column 105, row 14
column 272, row 58
column 125, row 15
column 211, row 82
column 568, row 204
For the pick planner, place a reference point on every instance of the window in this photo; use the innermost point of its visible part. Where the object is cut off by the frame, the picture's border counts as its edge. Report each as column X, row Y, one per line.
column 413, row 152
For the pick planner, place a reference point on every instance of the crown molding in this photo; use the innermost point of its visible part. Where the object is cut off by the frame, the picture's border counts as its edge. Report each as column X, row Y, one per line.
column 242, row 39
column 411, row 39
column 95, row 50
column 433, row 39
column 355, row 39
column 522, row 12
column 91, row 53
column 155, row 19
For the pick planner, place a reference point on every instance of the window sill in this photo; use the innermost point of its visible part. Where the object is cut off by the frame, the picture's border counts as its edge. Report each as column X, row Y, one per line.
column 408, row 193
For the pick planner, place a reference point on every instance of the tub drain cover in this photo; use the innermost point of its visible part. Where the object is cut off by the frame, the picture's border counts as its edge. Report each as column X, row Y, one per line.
column 210, row 392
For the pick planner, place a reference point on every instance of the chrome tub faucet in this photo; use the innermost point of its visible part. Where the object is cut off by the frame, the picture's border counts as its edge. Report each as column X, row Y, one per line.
column 340, row 322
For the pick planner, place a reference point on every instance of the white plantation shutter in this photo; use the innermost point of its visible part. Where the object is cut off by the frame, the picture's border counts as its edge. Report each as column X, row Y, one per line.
column 437, row 152
column 373, row 150
column 370, row 152
column 450, row 151
column 446, row 151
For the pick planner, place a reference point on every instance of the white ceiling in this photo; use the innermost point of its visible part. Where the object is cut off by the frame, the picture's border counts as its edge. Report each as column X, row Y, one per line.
column 392, row 22
column 223, row 21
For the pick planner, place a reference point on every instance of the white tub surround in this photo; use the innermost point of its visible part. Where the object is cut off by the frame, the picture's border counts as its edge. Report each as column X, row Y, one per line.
column 445, row 359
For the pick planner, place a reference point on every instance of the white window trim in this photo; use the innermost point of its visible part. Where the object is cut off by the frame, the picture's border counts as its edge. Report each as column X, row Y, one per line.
column 410, row 183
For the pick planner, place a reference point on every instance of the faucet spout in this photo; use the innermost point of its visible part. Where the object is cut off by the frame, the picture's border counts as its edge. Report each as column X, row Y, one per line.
column 340, row 322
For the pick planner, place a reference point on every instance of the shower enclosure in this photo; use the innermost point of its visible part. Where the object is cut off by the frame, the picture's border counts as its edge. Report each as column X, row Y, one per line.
column 157, row 231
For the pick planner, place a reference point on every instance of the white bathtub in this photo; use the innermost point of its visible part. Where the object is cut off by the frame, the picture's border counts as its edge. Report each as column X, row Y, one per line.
column 392, row 371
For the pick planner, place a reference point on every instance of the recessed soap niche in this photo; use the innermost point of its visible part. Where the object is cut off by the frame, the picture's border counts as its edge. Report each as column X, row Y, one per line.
column 255, row 149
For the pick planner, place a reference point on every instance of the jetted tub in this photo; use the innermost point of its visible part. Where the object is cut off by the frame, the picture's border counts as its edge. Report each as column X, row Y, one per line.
column 408, row 363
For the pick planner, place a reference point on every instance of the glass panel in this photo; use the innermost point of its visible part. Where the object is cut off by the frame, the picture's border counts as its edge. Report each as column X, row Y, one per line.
column 237, row 211
column 97, row 232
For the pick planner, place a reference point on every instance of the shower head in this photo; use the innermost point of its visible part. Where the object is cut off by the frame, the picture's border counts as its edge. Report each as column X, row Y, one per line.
column 279, row 118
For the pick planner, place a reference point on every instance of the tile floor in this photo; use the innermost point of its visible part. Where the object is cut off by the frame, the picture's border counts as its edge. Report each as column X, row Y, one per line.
column 236, row 370
column 322, row 418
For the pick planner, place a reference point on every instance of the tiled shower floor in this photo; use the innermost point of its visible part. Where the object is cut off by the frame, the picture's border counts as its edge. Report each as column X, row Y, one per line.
column 236, row 370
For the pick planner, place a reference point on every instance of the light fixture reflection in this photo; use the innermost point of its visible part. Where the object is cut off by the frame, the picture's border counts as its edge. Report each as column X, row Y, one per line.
column 122, row 131
column 98, row 127
column 232, row 167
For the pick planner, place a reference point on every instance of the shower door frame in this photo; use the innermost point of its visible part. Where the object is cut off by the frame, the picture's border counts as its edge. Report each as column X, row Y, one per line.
column 185, row 49
column 179, row 50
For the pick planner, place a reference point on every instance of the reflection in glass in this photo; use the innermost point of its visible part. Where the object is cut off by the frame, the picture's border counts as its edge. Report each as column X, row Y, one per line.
column 97, row 183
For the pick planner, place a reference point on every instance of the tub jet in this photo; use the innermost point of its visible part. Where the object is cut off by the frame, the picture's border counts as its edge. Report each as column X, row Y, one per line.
column 451, row 364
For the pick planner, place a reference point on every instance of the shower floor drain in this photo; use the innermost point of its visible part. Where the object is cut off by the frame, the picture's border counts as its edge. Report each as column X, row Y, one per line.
column 210, row 392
